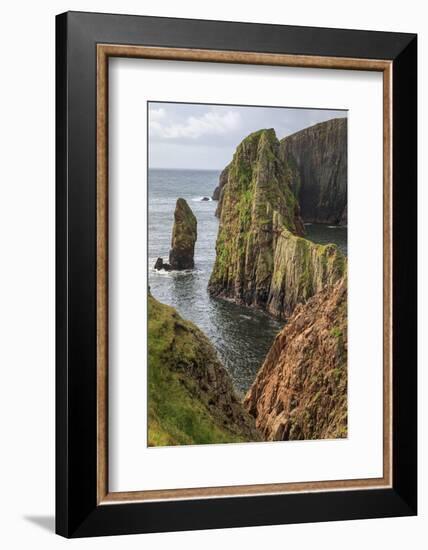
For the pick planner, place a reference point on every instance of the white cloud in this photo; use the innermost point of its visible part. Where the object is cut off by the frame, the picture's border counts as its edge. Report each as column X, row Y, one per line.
column 156, row 114
column 193, row 127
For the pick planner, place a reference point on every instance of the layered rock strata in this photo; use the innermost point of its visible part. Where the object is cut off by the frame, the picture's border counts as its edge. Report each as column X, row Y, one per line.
column 300, row 392
column 318, row 157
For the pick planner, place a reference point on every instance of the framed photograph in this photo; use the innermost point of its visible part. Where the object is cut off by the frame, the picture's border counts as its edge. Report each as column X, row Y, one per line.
column 236, row 274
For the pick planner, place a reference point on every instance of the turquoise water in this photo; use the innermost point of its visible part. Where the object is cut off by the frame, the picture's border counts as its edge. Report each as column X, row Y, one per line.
column 241, row 336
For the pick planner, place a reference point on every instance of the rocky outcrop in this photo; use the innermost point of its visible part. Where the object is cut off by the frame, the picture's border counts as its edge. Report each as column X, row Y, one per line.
column 318, row 157
column 300, row 270
column 300, row 392
column 261, row 258
column 160, row 264
column 191, row 398
column 218, row 191
column 221, row 183
column 184, row 235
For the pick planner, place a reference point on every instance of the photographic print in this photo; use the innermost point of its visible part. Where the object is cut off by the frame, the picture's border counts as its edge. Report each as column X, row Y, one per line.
column 208, row 321
column 247, row 263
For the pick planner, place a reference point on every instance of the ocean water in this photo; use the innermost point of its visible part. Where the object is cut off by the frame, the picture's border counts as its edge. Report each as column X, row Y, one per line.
column 241, row 336
column 324, row 234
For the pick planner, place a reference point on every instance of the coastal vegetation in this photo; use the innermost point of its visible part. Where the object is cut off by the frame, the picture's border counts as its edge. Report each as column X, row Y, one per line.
column 191, row 397
column 263, row 260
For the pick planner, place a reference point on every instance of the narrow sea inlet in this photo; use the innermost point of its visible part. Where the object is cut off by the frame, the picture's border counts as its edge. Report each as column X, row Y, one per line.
column 242, row 336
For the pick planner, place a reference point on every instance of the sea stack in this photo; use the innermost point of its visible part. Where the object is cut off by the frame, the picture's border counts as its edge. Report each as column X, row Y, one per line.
column 184, row 235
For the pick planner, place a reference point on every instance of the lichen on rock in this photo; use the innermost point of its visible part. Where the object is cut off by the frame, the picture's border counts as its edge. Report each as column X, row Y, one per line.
column 184, row 235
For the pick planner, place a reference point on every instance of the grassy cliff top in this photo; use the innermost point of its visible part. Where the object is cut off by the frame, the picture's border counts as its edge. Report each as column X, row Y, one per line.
column 191, row 399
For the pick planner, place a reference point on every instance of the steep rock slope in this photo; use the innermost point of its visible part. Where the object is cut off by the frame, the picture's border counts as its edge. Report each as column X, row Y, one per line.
column 300, row 392
column 191, row 398
column 318, row 155
column 222, row 180
column 301, row 269
column 261, row 258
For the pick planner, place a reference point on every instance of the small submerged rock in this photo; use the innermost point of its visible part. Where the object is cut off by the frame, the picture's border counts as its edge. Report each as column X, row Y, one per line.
column 204, row 199
column 160, row 264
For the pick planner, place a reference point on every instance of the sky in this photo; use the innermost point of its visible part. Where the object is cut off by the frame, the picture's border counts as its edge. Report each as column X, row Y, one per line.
column 204, row 137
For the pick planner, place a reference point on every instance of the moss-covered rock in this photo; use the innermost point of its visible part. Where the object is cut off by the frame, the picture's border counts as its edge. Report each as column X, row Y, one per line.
column 300, row 392
column 191, row 397
column 184, row 235
column 261, row 258
column 300, row 270
column 318, row 156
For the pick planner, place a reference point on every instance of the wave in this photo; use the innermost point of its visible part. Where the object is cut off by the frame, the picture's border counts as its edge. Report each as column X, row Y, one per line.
column 173, row 272
column 202, row 199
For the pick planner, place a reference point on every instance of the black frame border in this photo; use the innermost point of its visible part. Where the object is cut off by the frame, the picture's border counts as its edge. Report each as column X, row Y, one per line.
column 77, row 512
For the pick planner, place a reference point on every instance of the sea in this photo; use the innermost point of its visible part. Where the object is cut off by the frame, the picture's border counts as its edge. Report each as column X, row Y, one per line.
column 242, row 336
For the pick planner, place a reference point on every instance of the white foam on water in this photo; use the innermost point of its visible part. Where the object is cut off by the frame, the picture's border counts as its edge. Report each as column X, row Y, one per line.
column 202, row 199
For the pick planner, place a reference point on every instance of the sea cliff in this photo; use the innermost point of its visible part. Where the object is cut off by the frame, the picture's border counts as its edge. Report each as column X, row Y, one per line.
column 318, row 157
column 262, row 259
column 221, row 183
column 191, row 397
column 300, row 392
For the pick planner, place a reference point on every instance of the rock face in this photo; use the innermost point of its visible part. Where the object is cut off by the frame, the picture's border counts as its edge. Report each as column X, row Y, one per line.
column 261, row 258
column 184, row 235
column 191, row 398
column 301, row 269
column 318, row 157
column 300, row 392
column 218, row 191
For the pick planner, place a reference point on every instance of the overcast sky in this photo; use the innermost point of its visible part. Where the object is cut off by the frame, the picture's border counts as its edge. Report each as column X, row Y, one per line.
column 206, row 136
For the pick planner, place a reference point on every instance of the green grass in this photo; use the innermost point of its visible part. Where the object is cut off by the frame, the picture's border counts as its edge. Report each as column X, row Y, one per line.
column 177, row 415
